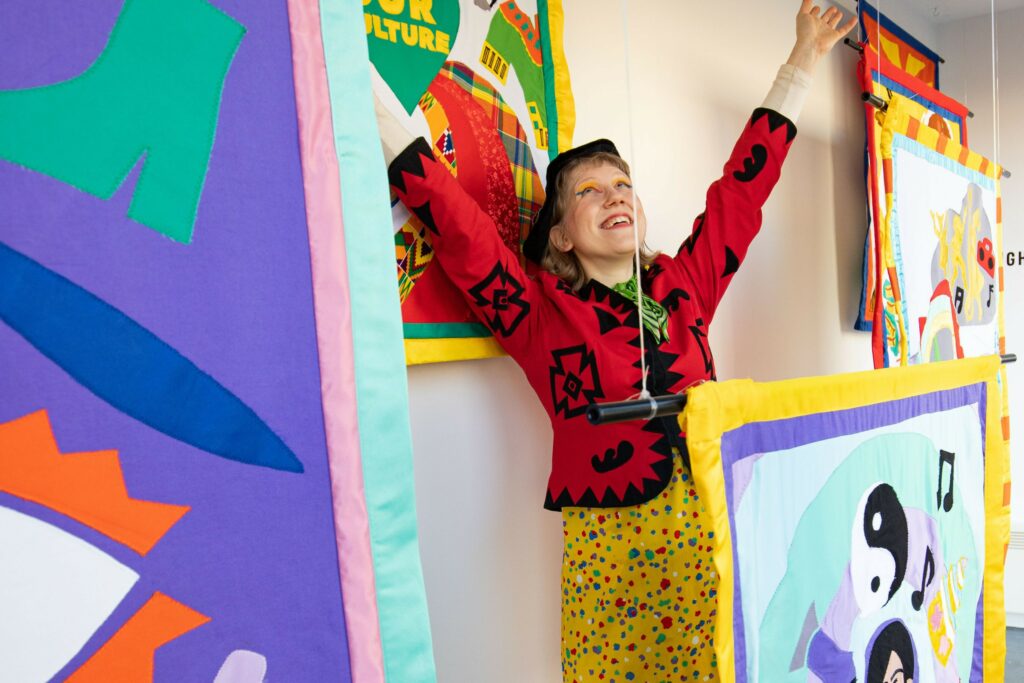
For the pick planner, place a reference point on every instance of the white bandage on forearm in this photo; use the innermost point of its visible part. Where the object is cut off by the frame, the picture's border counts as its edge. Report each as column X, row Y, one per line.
column 393, row 136
column 789, row 91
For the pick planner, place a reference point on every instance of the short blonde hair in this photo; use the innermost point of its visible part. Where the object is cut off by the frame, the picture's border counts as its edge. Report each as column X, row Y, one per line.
column 565, row 265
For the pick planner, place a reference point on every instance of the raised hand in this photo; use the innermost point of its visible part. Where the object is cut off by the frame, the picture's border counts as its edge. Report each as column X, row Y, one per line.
column 817, row 33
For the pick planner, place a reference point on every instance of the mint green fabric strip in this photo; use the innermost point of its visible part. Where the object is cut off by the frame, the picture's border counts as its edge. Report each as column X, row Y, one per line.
column 381, row 387
column 445, row 331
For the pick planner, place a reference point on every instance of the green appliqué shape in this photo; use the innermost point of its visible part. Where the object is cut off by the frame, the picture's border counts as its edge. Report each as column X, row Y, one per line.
column 403, row 48
column 509, row 44
column 154, row 91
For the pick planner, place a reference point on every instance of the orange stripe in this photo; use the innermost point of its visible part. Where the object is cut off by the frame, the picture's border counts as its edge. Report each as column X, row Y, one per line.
column 913, row 128
column 1006, row 427
column 983, row 168
column 887, row 174
column 999, row 209
column 940, row 146
column 894, row 280
column 1006, row 494
column 964, row 153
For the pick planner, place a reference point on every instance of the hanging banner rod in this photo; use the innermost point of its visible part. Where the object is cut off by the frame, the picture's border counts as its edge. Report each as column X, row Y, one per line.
column 858, row 47
column 662, row 406
column 880, row 104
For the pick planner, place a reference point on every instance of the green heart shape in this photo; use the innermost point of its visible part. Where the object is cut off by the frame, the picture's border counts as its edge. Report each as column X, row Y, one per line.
column 409, row 41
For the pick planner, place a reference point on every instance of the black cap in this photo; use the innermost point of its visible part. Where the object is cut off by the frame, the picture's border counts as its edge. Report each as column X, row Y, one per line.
column 536, row 242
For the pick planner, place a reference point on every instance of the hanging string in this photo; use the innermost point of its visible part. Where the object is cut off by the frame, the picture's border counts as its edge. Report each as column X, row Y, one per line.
column 995, row 93
column 636, row 228
column 878, row 38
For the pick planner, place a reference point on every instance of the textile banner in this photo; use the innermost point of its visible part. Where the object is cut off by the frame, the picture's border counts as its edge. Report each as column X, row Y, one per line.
column 941, row 241
column 935, row 110
column 901, row 49
column 166, row 502
column 862, row 522
column 437, row 63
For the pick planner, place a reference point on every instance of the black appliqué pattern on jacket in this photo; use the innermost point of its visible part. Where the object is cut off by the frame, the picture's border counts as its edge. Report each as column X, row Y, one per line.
column 613, row 458
column 672, row 299
column 426, row 216
column 650, row 272
column 732, row 263
column 691, row 239
column 752, row 165
column 701, row 337
column 500, row 299
column 575, row 381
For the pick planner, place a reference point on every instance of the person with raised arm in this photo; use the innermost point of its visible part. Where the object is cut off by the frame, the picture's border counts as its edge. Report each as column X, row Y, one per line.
column 638, row 587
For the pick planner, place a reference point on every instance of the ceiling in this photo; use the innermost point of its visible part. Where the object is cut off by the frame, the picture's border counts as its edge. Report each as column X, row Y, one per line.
column 952, row 10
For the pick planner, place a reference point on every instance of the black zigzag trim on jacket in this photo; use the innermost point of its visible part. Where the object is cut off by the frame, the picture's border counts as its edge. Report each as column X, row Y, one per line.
column 633, row 496
column 775, row 119
column 411, row 161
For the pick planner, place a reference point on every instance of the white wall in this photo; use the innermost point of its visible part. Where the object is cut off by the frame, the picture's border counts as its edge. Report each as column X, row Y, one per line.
column 491, row 555
column 968, row 77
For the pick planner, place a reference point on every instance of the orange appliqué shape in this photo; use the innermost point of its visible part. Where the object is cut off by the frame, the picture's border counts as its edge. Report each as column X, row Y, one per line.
column 128, row 655
column 87, row 487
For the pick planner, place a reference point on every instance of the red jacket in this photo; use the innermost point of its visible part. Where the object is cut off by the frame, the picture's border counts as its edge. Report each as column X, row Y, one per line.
column 581, row 347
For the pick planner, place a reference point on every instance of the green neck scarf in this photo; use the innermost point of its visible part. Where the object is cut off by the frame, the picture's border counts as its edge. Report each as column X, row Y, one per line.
column 655, row 317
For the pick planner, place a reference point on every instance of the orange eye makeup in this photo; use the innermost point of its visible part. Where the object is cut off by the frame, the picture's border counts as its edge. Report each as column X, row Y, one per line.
column 583, row 187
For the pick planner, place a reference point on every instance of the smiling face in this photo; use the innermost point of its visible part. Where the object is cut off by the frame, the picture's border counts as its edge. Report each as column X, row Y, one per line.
column 597, row 221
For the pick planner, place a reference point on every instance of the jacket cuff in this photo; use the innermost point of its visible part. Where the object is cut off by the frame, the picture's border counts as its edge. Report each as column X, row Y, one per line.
column 775, row 120
column 409, row 160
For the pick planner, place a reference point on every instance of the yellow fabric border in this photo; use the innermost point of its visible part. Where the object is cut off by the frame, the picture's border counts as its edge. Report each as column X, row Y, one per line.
column 997, row 531
column 899, row 118
column 714, row 408
column 566, row 105
column 422, row 351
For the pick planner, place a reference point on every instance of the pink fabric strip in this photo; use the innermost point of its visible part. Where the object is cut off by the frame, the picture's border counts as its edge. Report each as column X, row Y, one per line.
column 334, row 341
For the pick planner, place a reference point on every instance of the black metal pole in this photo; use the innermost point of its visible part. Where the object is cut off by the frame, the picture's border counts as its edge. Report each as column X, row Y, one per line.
column 663, row 406
column 641, row 409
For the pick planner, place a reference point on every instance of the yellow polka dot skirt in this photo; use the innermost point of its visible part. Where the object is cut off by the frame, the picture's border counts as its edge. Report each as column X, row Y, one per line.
column 639, row 590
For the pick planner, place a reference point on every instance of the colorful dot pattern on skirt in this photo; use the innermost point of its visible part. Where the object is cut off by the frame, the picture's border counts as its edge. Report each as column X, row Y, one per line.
column 639, row 591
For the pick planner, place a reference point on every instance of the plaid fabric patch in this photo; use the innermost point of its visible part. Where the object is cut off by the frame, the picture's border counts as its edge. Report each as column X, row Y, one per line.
column 529, row 190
